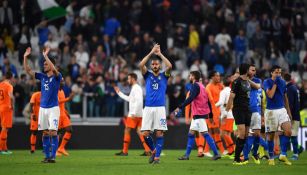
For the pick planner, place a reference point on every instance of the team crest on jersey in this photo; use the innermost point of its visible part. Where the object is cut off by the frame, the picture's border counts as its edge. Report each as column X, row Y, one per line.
column 50, row 79
column 159, row 78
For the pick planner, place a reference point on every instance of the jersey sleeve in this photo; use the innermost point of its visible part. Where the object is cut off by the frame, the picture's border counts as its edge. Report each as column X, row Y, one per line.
column 32, row 100
column 146, row 75
column 59, row 77
column 38, row 76
column 266, row 85
column 10, row 89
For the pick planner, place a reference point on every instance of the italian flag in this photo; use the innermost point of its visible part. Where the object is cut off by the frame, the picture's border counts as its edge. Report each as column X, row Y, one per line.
column 50, row 9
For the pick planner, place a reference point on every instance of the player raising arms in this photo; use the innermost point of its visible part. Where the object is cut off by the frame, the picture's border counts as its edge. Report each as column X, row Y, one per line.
column 49, row 111
column 6, row 110
column 201, row 109
column 277, row 114
column 154, row 115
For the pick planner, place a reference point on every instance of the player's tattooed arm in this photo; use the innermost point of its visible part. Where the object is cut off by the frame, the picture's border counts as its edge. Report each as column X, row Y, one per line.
column 26, row 67
column 53, row 68
column 142, row 64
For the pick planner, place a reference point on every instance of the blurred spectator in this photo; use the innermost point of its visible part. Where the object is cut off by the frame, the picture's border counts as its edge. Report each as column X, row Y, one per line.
column 6, row 16
column 22, row 41
column 292, row 57
column 82, row 57
column 223, row 39
column 211, row 52
column 193, row 37
column 112, row 27
column 240, row 47
column 8, row 66
column 74, row 68
column 176, row 93
column 76, row 103
column 298, row 30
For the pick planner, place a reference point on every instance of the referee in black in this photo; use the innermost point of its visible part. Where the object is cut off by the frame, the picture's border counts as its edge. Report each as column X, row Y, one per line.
column 239, row 102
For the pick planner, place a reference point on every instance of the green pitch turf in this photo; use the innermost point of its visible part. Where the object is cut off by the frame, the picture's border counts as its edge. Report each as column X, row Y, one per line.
column 103, row 162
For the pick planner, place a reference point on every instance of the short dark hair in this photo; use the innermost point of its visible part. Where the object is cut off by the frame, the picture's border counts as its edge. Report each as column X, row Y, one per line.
column 227, row 80
column 274, row 68
column 133, row 75
column 8, row 75
column 287, row 77
column 196, row 75
column 156, row 58
column 212, row 73
column 243, row 69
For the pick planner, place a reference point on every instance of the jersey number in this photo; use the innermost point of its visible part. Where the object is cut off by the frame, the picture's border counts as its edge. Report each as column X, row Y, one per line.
column 155, row 86
column 1, row 95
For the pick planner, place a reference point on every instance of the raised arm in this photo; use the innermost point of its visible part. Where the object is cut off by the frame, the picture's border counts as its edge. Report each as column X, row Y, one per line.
column 53, row 68
column 26, row 67
column 165, row 61
column 271, row 92
column 142, row 64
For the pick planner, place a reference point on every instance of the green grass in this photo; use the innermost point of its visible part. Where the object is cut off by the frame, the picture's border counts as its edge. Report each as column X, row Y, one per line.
column 102, row 162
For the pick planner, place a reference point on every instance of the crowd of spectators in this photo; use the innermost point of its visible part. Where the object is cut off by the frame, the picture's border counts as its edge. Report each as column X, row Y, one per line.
column 99, row 42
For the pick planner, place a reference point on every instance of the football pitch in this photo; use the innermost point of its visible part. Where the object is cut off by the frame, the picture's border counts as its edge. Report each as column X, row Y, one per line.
column 102, row 162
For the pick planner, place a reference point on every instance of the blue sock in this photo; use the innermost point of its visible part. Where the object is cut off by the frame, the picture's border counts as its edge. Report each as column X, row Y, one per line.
column 263, row 143
column 190, row 144
column 159, row 146
column 294, row 144
column 46, row 146
column 271, row 149
column 248, row 146
column 284, row 141
column 54, row 146
column 256, row 145
column 149, row 142
column 211, row 143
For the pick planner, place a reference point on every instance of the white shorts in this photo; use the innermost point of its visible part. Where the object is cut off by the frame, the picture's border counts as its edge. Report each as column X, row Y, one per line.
column 154, row 118
column 199, row 125
column 274, row 118
column 48, row 118
column 255, row 121
column 294, row 127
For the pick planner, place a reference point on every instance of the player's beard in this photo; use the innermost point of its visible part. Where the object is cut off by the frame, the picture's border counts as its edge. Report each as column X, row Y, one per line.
column 155, row 70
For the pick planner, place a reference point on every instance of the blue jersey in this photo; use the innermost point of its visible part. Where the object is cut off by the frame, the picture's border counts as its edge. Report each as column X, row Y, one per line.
column 255, row 97
column 49, row 89
column 155, row 89
column 277, row 102
column 294, row 101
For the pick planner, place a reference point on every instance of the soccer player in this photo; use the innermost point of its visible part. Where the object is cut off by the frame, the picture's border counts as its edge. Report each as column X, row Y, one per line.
column 6, row 111
column 293, row 95
column 154, row 115
column 201, row 110
column 64, row 122
column 34, row 103
column 134, row 119
column 199, row 139
column 277, row 114
column 49, row 111
column 239, row 102
column 226, row 117
column 255, row 126
column 214, row 89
